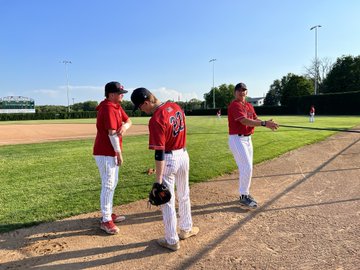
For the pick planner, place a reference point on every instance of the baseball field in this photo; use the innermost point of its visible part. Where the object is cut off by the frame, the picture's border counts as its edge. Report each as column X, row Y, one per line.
column 306, row 181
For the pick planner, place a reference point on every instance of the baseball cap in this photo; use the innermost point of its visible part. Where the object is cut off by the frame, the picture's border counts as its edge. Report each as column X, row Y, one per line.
column 138, row 96
column 114, row 87
column 240, row 86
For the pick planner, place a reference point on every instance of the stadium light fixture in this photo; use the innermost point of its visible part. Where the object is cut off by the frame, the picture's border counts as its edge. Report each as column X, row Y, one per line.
column 316, row 60
column 213, row 61
column 66, row 62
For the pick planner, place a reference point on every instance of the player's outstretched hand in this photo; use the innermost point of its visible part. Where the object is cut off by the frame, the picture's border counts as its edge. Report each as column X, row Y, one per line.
column 272, row 125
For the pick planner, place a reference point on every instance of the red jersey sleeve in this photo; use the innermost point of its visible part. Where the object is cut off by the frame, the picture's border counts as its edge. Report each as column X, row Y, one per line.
column 110, row 119
column 157, row 136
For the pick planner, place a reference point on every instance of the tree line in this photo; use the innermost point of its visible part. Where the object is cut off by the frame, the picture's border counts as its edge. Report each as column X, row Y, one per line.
column 341, row 76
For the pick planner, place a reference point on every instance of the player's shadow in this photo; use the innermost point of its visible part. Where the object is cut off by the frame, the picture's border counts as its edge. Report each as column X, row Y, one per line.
column 149, row 248
column 90, row 226
column 224, row 179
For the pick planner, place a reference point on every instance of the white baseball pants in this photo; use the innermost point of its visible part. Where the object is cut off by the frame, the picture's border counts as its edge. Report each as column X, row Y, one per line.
column 176, row 172
column 242, row 150
column 109, row 173
column 312, row 117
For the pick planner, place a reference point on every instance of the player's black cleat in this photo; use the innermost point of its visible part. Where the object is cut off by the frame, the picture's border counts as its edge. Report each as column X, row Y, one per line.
column 248, row 202
column 252, row 198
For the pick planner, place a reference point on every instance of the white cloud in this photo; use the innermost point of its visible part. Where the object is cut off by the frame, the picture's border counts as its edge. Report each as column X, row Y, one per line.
column 58, row 95
column 47, row 92
column 92, row 88
column 81, row 93
column 164, row 94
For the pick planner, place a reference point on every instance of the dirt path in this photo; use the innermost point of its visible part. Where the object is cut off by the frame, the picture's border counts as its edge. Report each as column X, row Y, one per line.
column 308, row 219
column 19, row 134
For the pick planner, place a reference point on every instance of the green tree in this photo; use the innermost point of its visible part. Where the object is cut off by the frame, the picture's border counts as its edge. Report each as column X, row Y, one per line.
column 87, row 106
column 290, row 85
column 344, row 76
column 194, row 104
column 295, row 86
column 127, row 105
column 273, row 96
column 50, row 109
column 90, row 105
column 224, row 94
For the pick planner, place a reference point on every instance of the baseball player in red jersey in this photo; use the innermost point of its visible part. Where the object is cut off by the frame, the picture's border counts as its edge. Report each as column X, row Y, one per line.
column 167, row 136
column 242, row 119
column 111, row 123
column 312, row 114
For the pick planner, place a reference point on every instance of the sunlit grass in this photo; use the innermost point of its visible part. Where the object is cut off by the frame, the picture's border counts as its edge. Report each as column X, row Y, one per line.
column 48, row 181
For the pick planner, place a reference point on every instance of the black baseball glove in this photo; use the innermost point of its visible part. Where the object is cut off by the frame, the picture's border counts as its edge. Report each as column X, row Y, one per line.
column 159, row 194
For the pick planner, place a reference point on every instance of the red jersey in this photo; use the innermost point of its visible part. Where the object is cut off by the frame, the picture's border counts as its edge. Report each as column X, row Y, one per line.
column 237, row 111
column 167, row 128
column 312, row 110
column 109, row 116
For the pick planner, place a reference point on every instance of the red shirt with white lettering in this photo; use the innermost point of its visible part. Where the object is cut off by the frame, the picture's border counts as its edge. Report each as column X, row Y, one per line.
column 238, row 110
column 167, row 128
column 109, row 116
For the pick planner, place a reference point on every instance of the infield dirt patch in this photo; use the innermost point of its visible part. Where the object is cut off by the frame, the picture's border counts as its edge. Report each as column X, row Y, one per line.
column 308, row 218
column 19, row 134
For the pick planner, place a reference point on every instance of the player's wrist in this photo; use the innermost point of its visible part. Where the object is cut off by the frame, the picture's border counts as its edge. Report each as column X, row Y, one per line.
column 126, row 126
column 263, row 123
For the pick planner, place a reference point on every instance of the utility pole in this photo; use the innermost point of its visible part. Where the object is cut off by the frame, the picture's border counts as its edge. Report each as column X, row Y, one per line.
column 316, row 60
column 66, row 62
column 213, row 61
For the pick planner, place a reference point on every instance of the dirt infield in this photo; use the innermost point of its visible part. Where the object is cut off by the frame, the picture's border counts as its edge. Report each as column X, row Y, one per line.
column 308, row 218
column 19, row 134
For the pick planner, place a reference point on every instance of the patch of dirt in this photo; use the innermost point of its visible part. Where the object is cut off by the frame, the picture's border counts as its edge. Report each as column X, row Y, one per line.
column 308, row 218
column 20, row 134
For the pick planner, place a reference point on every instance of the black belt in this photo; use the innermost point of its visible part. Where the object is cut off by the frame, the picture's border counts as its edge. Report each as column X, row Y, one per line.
column 243, row 135
column 170, row 151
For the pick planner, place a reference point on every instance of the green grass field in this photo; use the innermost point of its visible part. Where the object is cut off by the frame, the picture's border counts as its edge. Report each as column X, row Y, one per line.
column 49, row 181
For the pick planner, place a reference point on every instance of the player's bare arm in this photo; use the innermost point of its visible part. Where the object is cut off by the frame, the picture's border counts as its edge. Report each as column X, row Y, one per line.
column 258, row 122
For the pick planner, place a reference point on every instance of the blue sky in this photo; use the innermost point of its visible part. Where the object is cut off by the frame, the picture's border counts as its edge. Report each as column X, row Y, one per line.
column 165, row 46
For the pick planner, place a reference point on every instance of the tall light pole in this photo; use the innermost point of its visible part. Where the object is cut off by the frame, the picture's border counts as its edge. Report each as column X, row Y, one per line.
column 66, row 62
column 213, row 61
column 316, row 60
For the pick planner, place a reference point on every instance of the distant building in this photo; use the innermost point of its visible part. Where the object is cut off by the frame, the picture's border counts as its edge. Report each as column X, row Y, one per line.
column 17, row 104
column 259, row 101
